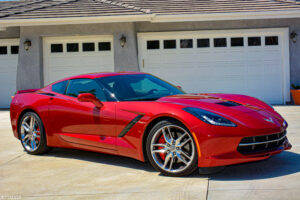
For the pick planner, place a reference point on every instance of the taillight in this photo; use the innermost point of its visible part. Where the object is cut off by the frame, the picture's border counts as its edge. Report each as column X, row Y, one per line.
column 12, row 97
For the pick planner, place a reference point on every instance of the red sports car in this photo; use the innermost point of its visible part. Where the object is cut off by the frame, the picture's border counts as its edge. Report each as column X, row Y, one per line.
column 143, row 117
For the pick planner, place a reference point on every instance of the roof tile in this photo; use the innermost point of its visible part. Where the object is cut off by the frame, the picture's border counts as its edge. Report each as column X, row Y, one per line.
column 30, row 9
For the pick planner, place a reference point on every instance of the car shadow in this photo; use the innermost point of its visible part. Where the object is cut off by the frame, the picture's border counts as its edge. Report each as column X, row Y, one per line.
column 283, row 164
column 100, row 158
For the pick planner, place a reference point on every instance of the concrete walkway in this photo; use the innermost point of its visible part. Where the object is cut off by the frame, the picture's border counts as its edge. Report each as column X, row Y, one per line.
column 74, row 174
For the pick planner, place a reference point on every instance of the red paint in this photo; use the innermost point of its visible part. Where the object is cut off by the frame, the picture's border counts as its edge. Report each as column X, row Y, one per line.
column 70, row 123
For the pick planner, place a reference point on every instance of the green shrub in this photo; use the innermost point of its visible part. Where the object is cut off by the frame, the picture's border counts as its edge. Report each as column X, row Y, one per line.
column 296, row 87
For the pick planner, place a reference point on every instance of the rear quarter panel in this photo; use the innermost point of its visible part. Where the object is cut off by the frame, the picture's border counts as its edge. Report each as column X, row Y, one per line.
column 24, row 102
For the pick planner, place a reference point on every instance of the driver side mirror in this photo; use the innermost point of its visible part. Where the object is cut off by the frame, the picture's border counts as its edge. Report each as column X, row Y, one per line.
column 179, row 87
column 87, row 97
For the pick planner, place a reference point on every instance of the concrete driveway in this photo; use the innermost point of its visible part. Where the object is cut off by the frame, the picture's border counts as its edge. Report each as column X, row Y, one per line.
column 74, row 174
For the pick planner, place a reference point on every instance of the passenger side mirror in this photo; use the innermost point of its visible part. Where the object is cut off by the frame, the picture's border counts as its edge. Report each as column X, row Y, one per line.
column 87, row 97
column 178, row 86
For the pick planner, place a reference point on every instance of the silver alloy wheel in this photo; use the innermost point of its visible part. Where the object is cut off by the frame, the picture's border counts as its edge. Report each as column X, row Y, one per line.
column 30, row 133
column 177, row 151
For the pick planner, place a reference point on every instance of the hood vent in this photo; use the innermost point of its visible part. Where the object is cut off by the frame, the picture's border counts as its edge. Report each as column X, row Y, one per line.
column 229, row 103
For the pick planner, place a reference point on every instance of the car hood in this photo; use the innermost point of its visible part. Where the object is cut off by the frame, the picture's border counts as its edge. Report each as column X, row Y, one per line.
column 239, row 107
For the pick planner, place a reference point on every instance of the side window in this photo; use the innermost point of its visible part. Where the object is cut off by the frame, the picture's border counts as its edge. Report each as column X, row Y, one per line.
column 60, row 87
column 79, row 86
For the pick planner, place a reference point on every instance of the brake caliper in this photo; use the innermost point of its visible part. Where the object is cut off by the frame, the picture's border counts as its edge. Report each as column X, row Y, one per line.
column 162, row 141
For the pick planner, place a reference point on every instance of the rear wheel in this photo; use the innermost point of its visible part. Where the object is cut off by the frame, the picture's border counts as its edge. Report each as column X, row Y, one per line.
column 171, row 149
column 32, row 134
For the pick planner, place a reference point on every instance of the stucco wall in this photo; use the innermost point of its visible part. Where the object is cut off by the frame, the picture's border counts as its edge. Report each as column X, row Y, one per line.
column 12, row 32
column 30, row 68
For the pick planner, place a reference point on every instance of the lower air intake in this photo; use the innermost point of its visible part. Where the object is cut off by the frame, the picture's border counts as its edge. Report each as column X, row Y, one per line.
column 262, row 143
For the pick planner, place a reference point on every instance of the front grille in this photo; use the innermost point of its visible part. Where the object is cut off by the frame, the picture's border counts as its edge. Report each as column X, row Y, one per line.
column 262, row 143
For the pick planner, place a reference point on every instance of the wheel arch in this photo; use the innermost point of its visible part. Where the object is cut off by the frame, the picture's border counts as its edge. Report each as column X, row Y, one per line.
column 152, row 123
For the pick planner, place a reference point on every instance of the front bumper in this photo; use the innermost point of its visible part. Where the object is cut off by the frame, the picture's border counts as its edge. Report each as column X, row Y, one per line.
column 223, row 150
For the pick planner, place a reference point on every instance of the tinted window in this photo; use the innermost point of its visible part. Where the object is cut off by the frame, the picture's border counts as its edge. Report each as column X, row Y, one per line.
column 254, row 41
column 72, row 47
column 237, row 42
column 14, row 49
column 202, row 43
column 186, row 43
column 272, row 40
column 56, row 48
column 79, row 86
column 60, row 87
column 3, row 50
column 88, row 47
column 138, row 87
column 153, row 44
column 169, row 44
column 104, row 46
column 220, row 42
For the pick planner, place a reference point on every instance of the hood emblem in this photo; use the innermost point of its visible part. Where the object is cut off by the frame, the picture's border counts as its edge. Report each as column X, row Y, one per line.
column 269, row 120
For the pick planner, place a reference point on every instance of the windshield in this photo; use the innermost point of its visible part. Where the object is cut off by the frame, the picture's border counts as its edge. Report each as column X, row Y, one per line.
column 138, row 87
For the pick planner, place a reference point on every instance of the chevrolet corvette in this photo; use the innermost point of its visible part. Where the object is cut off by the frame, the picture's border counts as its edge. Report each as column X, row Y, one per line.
column 143, row 117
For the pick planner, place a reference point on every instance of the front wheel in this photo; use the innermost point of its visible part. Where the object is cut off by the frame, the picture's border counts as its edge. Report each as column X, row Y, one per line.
column 171, row 149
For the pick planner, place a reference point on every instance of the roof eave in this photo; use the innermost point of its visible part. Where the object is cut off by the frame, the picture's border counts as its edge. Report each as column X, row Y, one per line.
column 227, row 16
column 154, row 18
column 74, row 20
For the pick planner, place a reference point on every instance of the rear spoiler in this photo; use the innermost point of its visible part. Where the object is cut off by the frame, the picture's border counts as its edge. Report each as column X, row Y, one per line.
column 25, row 91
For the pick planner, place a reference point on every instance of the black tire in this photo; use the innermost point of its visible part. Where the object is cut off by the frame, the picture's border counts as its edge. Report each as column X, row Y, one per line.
column 193, row 161
column 42, row 144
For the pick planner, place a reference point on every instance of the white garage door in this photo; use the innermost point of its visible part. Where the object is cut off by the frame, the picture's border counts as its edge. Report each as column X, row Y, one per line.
column 9, row 50
column 69, row 56
column 250, row 62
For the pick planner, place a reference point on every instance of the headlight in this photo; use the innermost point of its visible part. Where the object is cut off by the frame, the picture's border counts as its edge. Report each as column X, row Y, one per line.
column 209, row 117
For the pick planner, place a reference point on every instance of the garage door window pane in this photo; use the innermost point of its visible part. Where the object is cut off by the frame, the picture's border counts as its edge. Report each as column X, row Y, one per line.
column 153, row 44
column 104, row 46
column 272, row 40
column 14, row 49
column 186, row 43
column 60, row 87
column 3, row 50
column 202, row 43
column 220, row 42
column 237, row 42
column 254, row 41
column 169, row 44
column 88, row 46
column 72, row 47
column 56, row 48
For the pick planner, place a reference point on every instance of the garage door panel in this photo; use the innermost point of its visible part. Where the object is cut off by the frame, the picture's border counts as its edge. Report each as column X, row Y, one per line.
column 252, row 68
column 80, row 59
column 8, row 71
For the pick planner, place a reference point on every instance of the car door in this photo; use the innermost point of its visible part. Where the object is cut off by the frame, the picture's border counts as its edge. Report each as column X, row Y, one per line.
column 82, row 122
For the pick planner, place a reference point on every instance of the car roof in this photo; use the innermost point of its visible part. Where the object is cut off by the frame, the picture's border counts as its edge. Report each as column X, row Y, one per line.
column 98, row 75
